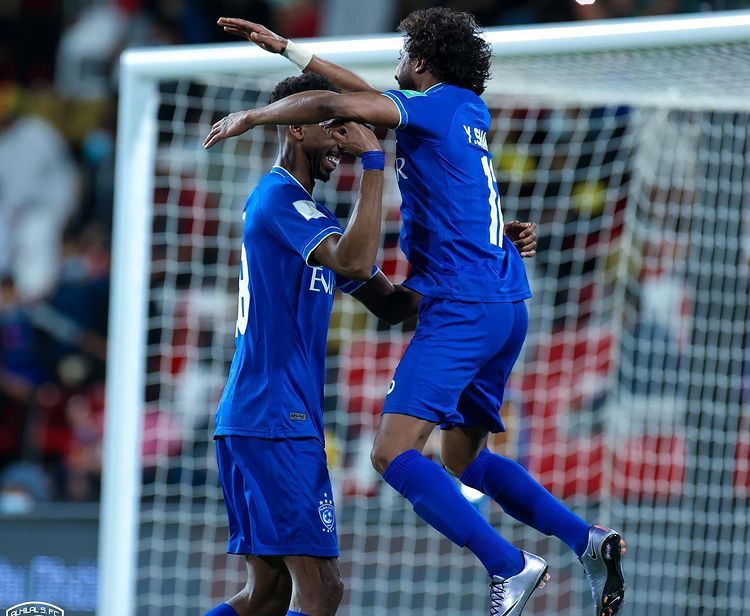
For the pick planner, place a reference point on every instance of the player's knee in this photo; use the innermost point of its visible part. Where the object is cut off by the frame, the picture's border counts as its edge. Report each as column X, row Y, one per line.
column 381, row 457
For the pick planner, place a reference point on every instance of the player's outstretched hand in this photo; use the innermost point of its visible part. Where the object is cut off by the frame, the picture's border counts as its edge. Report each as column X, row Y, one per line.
column 232, row 125
column 523, row 236
column 352, row 137
column 255, row 33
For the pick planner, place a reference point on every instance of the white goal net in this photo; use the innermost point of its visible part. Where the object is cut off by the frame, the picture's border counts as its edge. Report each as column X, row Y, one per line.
column 630, row 402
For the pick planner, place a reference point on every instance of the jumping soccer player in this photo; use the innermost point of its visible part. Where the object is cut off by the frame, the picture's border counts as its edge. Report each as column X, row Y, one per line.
column 472, row 320
column 269, row 423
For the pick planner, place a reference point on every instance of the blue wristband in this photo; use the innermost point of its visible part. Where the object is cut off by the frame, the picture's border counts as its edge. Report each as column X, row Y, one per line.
column 374, row 159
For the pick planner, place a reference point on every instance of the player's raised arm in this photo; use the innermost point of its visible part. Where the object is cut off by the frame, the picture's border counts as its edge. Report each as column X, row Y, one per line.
column 308, row 108
column 303, row 59
column 353, row 253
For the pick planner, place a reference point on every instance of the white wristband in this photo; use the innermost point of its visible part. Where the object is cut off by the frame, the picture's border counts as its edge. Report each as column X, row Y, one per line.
column 297, row 55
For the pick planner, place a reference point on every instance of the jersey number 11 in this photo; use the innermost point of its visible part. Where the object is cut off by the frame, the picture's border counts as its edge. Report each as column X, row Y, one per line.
column 496, row 214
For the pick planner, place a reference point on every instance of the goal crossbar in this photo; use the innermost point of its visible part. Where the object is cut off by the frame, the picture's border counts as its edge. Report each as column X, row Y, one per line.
column 183, row 61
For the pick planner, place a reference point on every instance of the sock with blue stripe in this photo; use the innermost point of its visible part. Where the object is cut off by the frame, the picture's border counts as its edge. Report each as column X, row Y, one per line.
column 521, row 496
column 223, row 609
column 438, row 501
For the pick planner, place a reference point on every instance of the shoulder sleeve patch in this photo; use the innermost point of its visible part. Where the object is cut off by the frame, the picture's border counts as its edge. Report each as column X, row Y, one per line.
column 308, row 210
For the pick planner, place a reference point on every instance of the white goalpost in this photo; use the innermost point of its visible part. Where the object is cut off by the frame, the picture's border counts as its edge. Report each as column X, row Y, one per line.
column 628, row 142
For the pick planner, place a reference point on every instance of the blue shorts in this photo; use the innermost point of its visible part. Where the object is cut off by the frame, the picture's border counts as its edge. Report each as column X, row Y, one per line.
column 278, row 496
column 454, row 371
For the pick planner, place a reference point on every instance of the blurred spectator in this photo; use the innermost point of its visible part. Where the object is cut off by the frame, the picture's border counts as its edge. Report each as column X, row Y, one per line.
column 19, row 364
column 83, row 455
column 20, row 370
column 22, row 486
column 74, row 318
column 98, row 170
column 38, row 193
column 91, row 45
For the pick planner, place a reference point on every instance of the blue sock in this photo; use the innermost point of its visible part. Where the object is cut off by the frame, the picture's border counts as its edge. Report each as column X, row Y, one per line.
column 521, row 496
column 291, row 613
column 223, row 609
column 438, row 501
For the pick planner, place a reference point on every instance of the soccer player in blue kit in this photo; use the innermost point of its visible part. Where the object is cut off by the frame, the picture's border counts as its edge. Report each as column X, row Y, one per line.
column 269, row 422
column 472, row 318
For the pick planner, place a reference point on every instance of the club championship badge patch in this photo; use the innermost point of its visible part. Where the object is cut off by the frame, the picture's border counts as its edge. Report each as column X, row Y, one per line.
column 327, row 513
column 34, row 608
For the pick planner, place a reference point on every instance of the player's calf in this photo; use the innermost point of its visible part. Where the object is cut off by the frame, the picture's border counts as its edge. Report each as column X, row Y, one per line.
column 317, row 585
column 250, row 602
column 267, row 592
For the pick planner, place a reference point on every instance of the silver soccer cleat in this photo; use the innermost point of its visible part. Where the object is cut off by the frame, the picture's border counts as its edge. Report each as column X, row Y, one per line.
column 508, row 597
column 602, row 562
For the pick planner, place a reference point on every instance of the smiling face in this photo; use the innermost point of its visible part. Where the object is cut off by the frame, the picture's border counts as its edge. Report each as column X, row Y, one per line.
column 321, row 150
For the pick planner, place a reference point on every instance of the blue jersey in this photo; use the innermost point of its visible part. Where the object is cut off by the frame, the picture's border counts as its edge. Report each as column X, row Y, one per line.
column 275, row 385
column 452, row 231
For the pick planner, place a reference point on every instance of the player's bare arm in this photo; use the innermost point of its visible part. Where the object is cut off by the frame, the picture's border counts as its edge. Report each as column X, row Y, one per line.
column 353, row 253
column 390, row 302
column 273, row 43
column 308, row 108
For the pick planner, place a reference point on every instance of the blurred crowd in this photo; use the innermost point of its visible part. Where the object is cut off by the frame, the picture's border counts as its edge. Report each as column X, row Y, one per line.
column 58, row 88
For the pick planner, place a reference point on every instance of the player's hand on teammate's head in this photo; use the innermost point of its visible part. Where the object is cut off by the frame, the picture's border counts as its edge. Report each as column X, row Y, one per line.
column 352, row 137
column 523, row 236
column 255, row 33
column 230, row 126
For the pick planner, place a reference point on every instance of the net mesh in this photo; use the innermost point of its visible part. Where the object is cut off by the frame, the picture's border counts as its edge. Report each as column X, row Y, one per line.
column 628, row 401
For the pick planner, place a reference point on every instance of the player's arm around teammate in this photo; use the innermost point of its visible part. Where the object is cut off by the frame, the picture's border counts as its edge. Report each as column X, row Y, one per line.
column 360, row 102
column 367, row 105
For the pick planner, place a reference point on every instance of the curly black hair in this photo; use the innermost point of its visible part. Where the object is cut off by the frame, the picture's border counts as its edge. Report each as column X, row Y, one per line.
column 301, row 83
column 451, row 43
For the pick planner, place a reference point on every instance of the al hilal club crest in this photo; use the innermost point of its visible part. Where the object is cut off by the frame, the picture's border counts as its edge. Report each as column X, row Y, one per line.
column 327, row 513
column 34, row 608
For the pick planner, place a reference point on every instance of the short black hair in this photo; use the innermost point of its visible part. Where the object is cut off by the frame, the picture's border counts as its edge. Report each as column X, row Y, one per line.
column 452, row 45
column 301, row 83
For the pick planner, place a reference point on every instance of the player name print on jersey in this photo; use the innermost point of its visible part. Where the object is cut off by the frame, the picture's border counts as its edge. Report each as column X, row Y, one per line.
column 476, row 136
